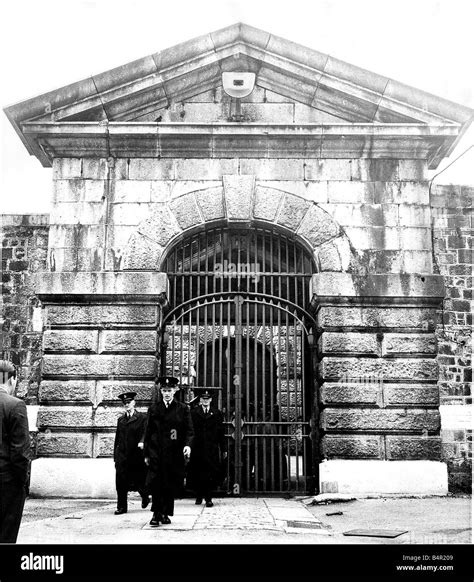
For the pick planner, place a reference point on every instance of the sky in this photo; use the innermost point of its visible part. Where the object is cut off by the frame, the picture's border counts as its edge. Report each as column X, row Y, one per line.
column 427, row 44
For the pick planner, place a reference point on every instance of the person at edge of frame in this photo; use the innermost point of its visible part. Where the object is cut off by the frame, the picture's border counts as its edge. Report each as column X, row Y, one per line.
column 130, row 468
column 14, row 455
column 209, row 447
column 168, row 440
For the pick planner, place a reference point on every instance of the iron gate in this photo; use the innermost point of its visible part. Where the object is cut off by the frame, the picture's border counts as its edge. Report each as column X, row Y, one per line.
column 244, row 330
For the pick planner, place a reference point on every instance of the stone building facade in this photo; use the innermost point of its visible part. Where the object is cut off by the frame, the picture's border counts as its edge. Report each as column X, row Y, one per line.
column 158, row 173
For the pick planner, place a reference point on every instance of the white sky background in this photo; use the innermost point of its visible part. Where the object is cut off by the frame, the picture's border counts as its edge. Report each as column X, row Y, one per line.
column 47, row 44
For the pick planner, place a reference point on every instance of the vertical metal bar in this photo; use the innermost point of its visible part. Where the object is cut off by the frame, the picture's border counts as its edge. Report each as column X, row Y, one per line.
column 255, row 397
column 296, row 383
column 247, row 386
column 198, row 344
column 264, row 403
column 272, row 404
column 238, row 388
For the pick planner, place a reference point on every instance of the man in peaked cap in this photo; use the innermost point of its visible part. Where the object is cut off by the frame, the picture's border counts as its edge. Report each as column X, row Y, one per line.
column 168, row 439
column 130, row 468
column 14, row 455
column 209, row 447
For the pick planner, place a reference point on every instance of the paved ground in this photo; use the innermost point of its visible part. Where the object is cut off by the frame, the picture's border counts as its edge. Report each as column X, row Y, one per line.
column 445, row 520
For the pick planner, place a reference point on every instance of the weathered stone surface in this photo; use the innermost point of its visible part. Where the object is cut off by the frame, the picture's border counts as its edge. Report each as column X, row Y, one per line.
column 370, row 170
column 399, row 369
column 76, row 236
column 317, row 226
column 363, row 214
column 132, row 213
column 105, row 445
column 62, row 259
column 353, row 447
column 349, row 342
column 211, row 203
column 406, row 448
column 377, row 317
column 94, row 168
column 95, row 190
column 206, row 169
column 334, row 255
column 78, row 416
column 90, row 259
column 350, row 393
column 67, row 168
column 377, row 285
column 161, row 226
column 273, row 169
column 78, row 212
column 410, row 395
column 412, row 170
column 109, row 390
column 151, row 169
column 399, row 343
column 379, row 420
column 63, row 390
column 85, row 365
column 238, row 194
column 350, row 192
column 132, row 191
column 414, row 215
column 68, row 190
column 127, row 341
column 374, row 237
column 131, row 284
column 267, row 202
column 70, row 340
column 309, row 190
column 52, row 444
column 186, row 211
column 142, row 253
column 292, row 211
column 328, row 169
column 99, row 315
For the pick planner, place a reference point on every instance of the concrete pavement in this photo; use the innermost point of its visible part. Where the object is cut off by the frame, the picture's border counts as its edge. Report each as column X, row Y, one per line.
column 442, row 520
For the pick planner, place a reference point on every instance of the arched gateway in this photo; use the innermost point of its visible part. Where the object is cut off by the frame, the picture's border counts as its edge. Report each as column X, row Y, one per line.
column 279, row 248
column 239, row 322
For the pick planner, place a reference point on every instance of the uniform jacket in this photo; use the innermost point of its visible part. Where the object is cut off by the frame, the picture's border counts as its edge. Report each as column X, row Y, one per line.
column 209, row 443
column 168, row 431
column 15, row 438
column 128, row 458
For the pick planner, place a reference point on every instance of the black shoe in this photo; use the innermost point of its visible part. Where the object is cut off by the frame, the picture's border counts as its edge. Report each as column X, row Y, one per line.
column 209, row 503
column 155, row 520
column 145, row 501
column 119, row 511
column 198, row 501
column 166, row 520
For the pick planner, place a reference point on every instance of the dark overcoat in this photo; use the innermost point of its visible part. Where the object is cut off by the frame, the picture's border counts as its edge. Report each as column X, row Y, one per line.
column 168, row 431
column 206, row 464
column 129, row 459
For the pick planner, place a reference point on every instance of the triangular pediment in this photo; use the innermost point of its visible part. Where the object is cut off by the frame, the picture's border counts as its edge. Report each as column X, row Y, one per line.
column 152, row 89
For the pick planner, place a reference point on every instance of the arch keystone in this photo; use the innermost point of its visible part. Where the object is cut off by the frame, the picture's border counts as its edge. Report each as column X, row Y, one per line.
column 238, row 196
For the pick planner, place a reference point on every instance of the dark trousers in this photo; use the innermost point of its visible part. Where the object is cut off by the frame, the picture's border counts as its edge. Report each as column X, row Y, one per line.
column 121, row 485
column 204, row 488
column 12, row 501
column 162, row 500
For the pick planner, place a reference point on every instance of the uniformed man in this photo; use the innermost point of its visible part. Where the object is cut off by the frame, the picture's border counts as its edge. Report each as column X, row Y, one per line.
column 130, row 468
column 14, row 455
column 209, row 447
column 168, row 440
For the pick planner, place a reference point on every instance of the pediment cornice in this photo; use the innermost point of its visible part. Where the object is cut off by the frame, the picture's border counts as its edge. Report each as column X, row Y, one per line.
column 304, row 75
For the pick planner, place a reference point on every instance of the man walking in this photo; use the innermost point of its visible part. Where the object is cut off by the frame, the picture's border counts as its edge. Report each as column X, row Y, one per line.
column 168, row 439
column 14, row 454
column 209, row 447
column 130, row 468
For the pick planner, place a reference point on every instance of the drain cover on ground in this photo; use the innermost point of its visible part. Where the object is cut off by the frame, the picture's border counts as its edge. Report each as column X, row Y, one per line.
column 375, row 533
column 305, row 524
